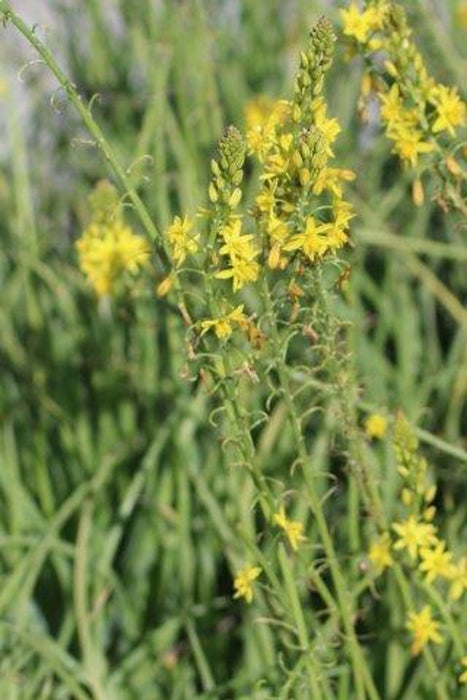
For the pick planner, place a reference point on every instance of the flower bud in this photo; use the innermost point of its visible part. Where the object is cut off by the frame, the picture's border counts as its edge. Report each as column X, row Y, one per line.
column 418, row 194
column 235, row 198
column 165, row 286
column 274, row 257
column 213, row 195
column 453, row 166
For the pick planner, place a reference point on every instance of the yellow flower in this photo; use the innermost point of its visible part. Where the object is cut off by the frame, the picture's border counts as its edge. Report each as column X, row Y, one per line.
column 223, row 326
column 330, row 179
column 463, row 676
column 343, row 211
column 243, row 582
column 277, row 229
column 292, row 528
column 258, row 110
column 262, row 110
column 392, row 107
column 106, row 251
column 241, row 253
column 414, row 534
column 262, row 116
column 377, row 14
column 435, row 561
column 336, row 237
column 180, row 240
column 458, row 579
column 380, row 553
column 242, row 272
column 424, row 629
column 330, row 128
column 266, row 200
column 359, row 24
column 311, row 241
column 236, row 245
column 449, row 107
column 260, row 140
column 408, row 143
column 376, row 426
column 276, row 164
column 259, row 133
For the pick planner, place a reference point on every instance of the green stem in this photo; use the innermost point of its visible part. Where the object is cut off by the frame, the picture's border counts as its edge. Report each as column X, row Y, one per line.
column 297, row 613
column 372, row 499
column 91, row 660
column 200, row 657
column 353, row 501
column 8, row 15
column 237, row 417
column 360, row 669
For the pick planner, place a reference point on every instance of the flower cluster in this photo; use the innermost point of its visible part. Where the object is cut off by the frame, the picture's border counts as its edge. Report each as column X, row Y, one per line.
column 108, row 248
column 417, row 112
column 300, row 208
column 236, row 248
column 416, row 533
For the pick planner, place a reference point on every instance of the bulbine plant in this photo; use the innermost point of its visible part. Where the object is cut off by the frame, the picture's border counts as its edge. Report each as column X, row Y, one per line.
column 320, row 556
